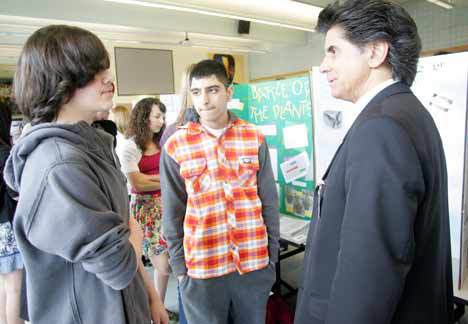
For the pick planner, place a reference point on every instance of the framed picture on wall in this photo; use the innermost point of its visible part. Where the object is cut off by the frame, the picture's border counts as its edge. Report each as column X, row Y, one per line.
column 234, row 64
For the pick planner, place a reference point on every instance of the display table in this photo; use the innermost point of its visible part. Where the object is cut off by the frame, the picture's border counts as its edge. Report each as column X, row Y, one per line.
column 293, row 236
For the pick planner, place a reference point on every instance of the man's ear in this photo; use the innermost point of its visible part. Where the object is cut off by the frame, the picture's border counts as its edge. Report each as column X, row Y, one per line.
column 230, row 91
column 378, row 54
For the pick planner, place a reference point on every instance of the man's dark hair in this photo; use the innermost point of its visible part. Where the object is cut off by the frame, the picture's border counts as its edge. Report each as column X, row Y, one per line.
column 138, row 126
column 55, row 61
column 207, row 68
column 367, row 21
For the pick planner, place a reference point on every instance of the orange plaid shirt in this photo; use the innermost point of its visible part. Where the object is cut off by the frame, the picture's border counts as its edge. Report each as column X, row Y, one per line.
column 224, row 229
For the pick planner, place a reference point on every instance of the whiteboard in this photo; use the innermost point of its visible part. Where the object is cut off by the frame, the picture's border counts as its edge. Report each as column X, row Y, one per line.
column 143, row 71
column 441, row 85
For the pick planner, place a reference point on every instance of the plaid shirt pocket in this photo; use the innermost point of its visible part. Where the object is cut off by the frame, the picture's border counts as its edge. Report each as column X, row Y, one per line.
column 248, row 167
column 196, row 175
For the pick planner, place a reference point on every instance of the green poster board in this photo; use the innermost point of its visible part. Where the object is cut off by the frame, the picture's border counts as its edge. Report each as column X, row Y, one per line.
column 283, row 111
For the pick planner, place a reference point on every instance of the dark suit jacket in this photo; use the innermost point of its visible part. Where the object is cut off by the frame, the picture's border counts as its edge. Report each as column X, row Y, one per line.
column 380, row 251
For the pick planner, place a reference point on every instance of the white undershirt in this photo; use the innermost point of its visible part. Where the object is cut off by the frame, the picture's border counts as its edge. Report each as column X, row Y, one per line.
column 369, row 95
column 215, row 132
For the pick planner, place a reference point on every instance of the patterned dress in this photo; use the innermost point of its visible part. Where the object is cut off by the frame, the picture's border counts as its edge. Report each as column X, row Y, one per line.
column 145, row 207
column 10, row 258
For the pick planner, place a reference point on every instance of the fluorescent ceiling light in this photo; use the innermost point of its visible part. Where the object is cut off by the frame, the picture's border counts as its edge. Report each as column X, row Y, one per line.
column 122, row 41
column 441, row 3
column 203, row 11
column 231, row 49
column 162, row 43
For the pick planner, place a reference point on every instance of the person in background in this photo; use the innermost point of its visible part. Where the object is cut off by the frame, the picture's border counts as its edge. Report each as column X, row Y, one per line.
column 220, row 212
column 140, row 163
column 72, row 222
column 378, row 248
column 120, row 115
column 11, row 263
column 187, row 112
column 102, row 122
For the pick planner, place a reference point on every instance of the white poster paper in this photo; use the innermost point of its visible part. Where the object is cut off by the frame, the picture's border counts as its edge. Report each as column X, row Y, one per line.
column 235, row 104
column 332, row 119
column 267, row 130
column 441, row 85
column 301, row 184
column 295, row 167
column 295, row 136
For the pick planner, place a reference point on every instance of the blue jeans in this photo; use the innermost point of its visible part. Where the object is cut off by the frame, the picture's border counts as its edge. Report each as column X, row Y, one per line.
column 182, row 319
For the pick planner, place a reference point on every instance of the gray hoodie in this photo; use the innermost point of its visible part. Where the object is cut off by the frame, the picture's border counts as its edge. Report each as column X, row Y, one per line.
column 72, row 228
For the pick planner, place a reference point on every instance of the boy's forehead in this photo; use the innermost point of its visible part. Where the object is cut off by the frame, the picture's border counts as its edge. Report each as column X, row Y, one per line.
column 206, row 81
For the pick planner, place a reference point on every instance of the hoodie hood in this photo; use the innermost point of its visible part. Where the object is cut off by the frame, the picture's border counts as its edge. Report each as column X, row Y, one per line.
column 80, row 134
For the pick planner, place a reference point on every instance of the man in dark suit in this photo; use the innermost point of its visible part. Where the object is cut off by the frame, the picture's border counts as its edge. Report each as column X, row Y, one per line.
column 378, row 249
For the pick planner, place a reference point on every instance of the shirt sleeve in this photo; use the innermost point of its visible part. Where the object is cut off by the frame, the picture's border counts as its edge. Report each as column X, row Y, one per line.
column 72, row 218
column 269, row 198
column 130, row 157
column 174, row 200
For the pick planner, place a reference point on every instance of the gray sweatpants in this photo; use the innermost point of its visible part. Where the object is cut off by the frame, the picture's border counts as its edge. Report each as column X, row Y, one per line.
column 243, row 297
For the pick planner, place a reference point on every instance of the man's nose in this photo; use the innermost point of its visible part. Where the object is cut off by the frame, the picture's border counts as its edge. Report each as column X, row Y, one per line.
column 324, row 66
column 109, row 77
column 205, row 97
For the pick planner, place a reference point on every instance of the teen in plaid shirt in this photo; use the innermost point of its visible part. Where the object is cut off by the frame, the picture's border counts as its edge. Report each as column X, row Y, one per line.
column 220, row 214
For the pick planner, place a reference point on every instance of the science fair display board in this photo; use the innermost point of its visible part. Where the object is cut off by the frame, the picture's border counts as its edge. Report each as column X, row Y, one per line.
column 283, row 112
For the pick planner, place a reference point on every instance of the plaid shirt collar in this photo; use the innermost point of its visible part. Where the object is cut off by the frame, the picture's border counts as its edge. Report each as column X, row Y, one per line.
column 197, row 128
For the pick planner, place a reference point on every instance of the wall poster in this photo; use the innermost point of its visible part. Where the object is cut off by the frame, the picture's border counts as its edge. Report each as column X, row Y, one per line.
column 282, row 110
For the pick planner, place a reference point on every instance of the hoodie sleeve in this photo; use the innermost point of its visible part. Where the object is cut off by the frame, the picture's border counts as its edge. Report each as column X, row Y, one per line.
column 72, row 218
column 174, row 197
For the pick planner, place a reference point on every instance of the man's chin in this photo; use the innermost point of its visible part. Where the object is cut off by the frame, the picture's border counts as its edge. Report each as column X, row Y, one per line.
column 336, row 94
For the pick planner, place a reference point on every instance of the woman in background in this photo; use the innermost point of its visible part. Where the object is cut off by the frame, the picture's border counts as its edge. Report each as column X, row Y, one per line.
column 187, row 112
column 120, row 115
column 11, row 263
column 72, row 222
column 140, row 163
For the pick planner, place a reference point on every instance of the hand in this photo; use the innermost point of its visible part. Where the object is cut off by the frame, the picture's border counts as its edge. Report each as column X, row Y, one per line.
column 181, row 277
column 158, row 312
column 136, row 237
